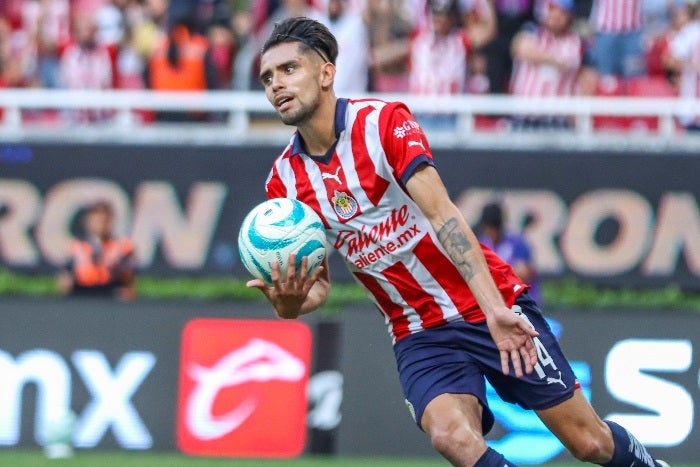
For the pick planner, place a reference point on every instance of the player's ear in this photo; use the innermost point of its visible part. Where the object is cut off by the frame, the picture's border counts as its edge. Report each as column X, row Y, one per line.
column 327, row 75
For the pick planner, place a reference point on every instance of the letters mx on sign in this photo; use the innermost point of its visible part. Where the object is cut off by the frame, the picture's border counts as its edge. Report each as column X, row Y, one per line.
column 242, row 388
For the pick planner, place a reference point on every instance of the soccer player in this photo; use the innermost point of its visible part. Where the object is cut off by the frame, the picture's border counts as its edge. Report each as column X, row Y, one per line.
column 456, row 313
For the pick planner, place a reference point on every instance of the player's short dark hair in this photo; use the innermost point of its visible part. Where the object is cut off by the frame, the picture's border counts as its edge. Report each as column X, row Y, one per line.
column 311, row 34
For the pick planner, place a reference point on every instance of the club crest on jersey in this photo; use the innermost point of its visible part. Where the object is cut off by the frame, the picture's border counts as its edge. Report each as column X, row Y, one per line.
column 344, row 205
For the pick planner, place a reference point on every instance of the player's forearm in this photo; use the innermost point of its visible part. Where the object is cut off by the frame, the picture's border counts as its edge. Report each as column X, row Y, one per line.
column 464, row 250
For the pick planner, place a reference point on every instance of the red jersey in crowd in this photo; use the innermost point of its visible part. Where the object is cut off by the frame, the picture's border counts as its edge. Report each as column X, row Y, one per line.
column 617, row 16
column 543, row 79
column 438, row 65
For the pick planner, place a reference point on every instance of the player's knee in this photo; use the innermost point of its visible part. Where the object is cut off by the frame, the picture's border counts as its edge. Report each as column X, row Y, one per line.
column 454, row 437
column 587, row 449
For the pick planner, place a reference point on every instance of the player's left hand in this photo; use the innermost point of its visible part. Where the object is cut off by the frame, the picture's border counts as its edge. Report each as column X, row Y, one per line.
column 513, row 337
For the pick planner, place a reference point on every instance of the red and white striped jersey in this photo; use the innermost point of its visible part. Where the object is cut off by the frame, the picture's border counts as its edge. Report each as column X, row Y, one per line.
column 542, row 79
column 438, row 65
column 616, row 16
column 86, row 68
column 385, row 240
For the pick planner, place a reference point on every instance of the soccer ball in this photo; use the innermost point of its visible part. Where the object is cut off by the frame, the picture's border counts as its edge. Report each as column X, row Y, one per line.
column 276, row 228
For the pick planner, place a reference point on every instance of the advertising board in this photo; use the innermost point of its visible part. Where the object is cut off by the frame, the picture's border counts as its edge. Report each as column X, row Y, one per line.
column 612, row 218
column 140, row 376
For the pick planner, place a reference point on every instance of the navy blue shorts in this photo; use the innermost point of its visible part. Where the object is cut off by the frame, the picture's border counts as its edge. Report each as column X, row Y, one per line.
column 455, row 358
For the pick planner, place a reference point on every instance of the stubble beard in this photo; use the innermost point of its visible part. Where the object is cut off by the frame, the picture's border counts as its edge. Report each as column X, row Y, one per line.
column 302, row 115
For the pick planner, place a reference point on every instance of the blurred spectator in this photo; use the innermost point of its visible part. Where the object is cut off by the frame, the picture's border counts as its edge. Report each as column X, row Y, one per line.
column 130, row 66
column 4, row 58
column 85, row 64
column 100, row 264
column 659, row 59
column 211, row 19
column 224, row 46
column 438, row 60
column 480, row 22
column 46, row 26
column 182, row 63
column 11, row 72
column 618, row 50
column 547, row 59
column 512, row 247
column 152, row 30
column 265, row 13
column 476, row 17
column 438, row 55
column 352, row 64
column 389, row 25
column 684, row 57
column 203, row 13
column 657, row 16
column 511, row 15
column 111, row 22
column 5, row 52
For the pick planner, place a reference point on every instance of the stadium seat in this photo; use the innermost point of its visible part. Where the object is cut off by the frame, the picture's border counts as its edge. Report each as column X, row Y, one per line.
column 653, row 86
column 610, row 86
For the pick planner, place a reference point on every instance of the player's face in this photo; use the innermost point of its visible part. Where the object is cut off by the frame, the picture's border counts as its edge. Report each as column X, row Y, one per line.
column 292, row 81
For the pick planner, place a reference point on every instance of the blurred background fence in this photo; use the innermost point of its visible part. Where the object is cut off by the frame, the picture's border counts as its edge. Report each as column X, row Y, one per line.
column 244, row 117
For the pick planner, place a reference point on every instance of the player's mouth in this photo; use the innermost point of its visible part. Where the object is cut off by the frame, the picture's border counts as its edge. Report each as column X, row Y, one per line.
column 283, row 102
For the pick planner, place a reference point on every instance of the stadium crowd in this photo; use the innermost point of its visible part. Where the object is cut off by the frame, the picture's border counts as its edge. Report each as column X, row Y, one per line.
column 522, row 47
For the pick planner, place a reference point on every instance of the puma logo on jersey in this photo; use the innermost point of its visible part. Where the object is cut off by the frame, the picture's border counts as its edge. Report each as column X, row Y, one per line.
column 326, row 176
column 551, row 380
column 416, row 143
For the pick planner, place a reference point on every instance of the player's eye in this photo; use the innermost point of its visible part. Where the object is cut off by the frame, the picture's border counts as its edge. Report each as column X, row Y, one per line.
column 289, row 68
column 266, row 79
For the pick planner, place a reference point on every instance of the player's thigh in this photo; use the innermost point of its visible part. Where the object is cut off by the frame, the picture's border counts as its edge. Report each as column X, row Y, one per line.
column 576, row 423
column 449, row 412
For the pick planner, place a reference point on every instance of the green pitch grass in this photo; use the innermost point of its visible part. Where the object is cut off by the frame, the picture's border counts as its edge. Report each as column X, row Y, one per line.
column 18, row 458
column 23, row 458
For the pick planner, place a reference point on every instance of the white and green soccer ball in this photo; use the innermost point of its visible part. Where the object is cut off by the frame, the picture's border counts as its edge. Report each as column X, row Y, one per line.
column 57, row 435
column 276, row 228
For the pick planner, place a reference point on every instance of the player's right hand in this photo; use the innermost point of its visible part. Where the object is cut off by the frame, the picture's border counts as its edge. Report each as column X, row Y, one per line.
column 513, row 337
column 288, row 294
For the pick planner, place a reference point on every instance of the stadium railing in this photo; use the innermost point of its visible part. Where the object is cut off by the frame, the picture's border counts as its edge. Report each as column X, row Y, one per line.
column 247, row 118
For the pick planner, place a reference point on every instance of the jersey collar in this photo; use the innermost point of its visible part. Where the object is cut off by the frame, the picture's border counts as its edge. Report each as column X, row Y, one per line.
column 341, row 106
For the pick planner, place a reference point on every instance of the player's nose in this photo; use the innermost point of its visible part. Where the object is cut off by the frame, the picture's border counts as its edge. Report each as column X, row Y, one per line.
column 277, row 82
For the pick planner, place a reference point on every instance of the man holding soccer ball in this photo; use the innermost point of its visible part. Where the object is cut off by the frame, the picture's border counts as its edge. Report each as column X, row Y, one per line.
column 456, row 312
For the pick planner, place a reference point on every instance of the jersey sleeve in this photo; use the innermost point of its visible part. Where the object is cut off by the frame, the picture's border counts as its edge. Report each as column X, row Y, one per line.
column 403, row 140
column 274, row 188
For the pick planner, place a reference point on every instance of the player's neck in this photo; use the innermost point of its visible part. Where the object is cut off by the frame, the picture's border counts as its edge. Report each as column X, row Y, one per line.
column 319, row 132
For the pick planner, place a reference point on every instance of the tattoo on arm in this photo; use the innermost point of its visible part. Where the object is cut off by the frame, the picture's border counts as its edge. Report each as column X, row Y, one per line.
column 457, row 245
